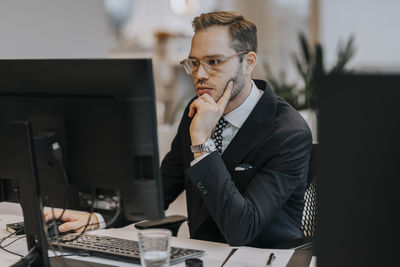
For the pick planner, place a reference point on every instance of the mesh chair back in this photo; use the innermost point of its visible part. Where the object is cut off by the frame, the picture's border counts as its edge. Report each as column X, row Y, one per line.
column 308, row 222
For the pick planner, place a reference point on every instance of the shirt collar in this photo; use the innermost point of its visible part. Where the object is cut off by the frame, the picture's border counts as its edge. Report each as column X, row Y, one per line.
column 239, row 115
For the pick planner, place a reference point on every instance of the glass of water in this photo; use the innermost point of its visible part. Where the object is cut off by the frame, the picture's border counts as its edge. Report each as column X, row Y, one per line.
column 154, row 245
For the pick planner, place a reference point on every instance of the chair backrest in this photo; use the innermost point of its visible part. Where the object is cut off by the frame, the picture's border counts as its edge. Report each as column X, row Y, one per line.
column 308, row 221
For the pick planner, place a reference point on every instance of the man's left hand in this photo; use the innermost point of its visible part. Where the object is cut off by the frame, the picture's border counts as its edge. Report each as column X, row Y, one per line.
column 72, row 220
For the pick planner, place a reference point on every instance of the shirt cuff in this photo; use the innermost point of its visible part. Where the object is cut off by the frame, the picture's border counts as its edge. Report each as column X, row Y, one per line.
column 199, row 158
column 102, row 223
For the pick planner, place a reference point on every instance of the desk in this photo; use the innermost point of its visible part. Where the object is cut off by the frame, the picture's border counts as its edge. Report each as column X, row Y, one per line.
column 214, row 256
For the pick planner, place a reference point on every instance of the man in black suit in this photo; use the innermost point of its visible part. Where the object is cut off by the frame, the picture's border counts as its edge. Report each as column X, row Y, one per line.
column 240, row 151
column 251, row 191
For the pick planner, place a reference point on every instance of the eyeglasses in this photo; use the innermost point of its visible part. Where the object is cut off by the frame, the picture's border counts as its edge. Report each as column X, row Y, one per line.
column 211, row 64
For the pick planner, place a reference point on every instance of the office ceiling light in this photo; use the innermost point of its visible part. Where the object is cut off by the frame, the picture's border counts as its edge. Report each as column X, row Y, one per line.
column 179, row 7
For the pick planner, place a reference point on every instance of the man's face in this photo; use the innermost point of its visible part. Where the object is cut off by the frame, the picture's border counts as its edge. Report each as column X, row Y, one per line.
column 214, row 43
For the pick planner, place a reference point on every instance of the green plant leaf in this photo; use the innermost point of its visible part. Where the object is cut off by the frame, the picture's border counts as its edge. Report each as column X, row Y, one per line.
column 344, row 54
column 304, row 47
column 310, row 66
column 300, row 68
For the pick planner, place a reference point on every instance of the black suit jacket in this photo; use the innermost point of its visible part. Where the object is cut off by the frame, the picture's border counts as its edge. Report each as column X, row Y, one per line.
column 260, row 206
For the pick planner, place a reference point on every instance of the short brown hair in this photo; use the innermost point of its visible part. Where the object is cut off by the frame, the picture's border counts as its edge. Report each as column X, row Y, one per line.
column 243, row 32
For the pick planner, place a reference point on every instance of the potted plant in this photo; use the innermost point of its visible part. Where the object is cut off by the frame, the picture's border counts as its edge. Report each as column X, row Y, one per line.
column 310, row 66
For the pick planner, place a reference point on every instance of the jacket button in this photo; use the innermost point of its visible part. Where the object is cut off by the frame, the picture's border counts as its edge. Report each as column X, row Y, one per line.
column 203, row 192
column 201, row 188
column 199, row 185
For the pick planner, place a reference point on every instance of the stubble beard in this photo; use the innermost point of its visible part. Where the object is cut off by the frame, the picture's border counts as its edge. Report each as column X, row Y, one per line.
column 238, row 82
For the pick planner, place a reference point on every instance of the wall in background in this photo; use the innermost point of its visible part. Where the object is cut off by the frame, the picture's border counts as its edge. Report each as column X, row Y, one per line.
column 52, row 29
column 278, row 23
column 375, row 25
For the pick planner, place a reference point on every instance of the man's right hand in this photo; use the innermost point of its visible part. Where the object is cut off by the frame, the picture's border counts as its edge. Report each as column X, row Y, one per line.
column 74, row 220
column 206, row 113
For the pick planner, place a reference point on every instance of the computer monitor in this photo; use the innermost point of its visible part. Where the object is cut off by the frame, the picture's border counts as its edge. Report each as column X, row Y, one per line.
column 358, row 172
column 102, row 114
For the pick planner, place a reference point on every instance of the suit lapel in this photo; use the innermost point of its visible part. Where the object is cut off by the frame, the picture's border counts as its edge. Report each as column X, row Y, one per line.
column 258, row 125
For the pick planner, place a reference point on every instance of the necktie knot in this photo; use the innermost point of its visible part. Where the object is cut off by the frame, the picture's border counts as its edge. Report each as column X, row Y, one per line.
column 217, row 135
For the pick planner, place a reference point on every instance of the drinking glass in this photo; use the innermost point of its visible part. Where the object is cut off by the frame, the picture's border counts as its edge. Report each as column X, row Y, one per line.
column 154, row 245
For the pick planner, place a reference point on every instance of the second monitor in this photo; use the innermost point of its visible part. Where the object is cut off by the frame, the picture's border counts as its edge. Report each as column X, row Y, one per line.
column 101, row 113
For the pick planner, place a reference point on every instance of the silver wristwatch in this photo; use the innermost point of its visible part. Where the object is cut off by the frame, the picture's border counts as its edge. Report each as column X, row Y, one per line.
column 208, row 146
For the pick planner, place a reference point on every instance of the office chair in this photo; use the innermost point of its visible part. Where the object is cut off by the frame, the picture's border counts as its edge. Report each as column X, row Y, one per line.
column 308, row 222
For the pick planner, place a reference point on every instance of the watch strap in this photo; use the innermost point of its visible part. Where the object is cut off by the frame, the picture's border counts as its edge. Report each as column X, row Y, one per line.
column 208, row 146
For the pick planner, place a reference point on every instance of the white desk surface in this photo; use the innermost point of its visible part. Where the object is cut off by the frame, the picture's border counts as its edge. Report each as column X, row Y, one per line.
column 215, row 253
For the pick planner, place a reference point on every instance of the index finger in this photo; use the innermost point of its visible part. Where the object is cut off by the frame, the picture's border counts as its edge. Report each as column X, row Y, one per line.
column 223, row 101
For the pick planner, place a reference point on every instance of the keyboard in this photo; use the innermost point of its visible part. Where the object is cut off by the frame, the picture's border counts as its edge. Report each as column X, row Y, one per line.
column 115, row 248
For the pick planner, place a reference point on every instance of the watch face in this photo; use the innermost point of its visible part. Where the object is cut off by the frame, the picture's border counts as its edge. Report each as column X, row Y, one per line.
column 209, row 145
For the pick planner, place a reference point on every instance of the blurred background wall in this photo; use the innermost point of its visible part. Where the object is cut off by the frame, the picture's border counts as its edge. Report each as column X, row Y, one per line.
column 375, row 25
column 53, row 29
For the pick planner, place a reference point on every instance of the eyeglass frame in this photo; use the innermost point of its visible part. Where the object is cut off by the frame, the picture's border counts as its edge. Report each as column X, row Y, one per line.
column 207, row 66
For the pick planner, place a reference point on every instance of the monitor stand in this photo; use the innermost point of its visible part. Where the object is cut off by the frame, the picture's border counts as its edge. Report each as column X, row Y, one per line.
column 31, row 203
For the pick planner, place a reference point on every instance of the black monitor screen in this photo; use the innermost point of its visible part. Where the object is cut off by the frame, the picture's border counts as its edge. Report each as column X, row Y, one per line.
column 102, row 114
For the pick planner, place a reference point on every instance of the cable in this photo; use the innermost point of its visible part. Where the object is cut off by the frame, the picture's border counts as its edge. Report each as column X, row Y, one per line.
column 55, row 230
column 88, row 221
column 57, row 239
column 28, row 259
column 57, row 151
column 6, row 250
column 15, row 240
column 58, row 154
